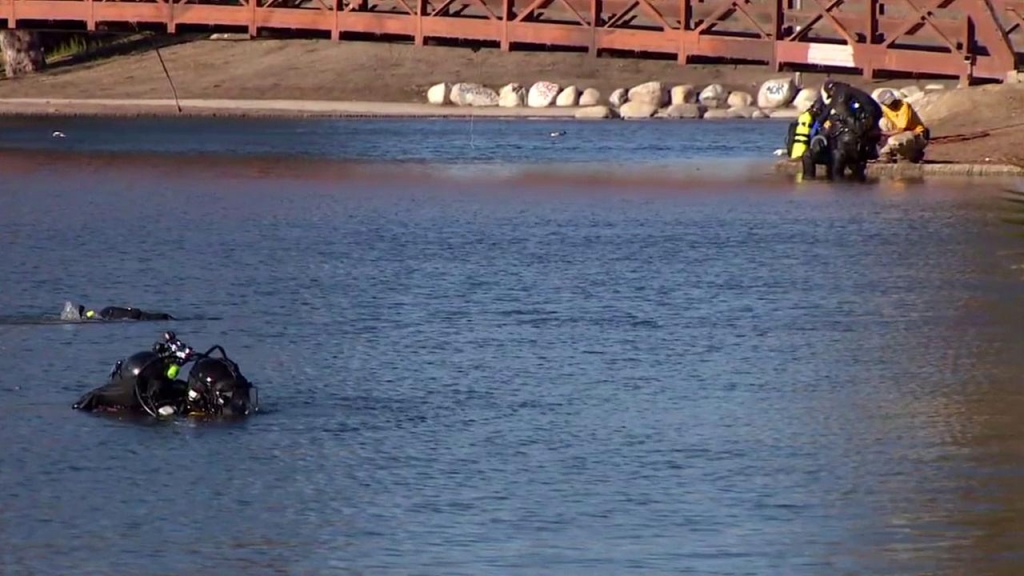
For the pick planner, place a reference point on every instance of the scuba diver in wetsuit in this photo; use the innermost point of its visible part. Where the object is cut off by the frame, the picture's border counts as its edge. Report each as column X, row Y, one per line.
column 80, row 314
column 145, row 383
column 847, row 136
column 861, row 116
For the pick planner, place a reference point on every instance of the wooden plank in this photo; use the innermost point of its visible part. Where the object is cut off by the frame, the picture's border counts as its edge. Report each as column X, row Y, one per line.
column 475, row 29
column 557, row 34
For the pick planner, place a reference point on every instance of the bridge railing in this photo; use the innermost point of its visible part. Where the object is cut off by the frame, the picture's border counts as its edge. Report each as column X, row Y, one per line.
column 958, row 38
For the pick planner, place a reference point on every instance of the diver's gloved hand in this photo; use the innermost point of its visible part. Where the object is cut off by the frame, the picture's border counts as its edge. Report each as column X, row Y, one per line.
column 818, row 144
column 172, row 346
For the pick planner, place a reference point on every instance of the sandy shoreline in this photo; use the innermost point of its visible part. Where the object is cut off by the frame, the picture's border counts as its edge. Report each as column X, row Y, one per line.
column 241, row 108
column 257, row 108
column 950, row 170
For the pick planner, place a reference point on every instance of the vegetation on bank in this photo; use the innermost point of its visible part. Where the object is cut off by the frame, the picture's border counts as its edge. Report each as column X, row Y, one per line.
column 58, row 47
column 46, row 50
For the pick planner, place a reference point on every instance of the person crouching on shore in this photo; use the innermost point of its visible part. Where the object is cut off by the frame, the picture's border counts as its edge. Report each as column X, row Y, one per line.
column 907, row 136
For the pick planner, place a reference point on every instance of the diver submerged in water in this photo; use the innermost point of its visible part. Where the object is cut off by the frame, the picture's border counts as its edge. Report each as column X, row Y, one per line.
column 146, row 383
column 80, row 314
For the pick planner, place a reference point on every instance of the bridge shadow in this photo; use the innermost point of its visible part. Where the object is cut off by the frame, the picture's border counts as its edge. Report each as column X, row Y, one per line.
column 122, row 47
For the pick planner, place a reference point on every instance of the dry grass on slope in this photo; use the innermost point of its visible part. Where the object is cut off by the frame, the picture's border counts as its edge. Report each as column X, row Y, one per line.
column 993, row 115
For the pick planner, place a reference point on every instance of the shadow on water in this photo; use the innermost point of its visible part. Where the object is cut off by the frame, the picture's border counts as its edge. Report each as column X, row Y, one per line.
column 208, row 422
column 46, row 319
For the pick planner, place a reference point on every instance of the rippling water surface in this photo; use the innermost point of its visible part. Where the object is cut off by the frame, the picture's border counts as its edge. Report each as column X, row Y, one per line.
column 505, row 376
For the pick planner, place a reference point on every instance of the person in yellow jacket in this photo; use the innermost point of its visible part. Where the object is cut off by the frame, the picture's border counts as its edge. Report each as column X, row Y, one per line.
column 907, row 136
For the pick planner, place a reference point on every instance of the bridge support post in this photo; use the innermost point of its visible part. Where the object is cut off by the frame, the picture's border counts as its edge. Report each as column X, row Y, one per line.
column 967, row 76
column 418, row 41
column 335, row 30
column 682, row 51
column 867, row 63
column 778, row 18
column 506, row 14
column 252, row 18
column 595, row 19
column 171, row 27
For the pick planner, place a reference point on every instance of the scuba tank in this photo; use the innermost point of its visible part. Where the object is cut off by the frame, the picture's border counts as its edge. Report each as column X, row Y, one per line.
column 141, row 382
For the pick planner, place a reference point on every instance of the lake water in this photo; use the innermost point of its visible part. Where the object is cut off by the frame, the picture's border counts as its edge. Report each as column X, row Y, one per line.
column 483, row 350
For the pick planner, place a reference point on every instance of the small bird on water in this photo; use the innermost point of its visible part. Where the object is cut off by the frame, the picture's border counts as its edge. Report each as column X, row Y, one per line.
column 58, row 134
column 558, row 133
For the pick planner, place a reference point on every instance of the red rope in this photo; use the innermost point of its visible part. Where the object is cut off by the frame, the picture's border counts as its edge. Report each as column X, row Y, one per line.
column 973, row 135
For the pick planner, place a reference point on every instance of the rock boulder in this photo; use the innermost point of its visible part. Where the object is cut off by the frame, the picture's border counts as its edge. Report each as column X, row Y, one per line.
column 787, row 113
column 689, row 110
column 650, row 93
column 777, row 93
column 542, row 94
column 804, row 99
column 590, row 97
column 618, row 97
column 742, row 111
column 472, row 94
column 683, row 94
column 568, row 97
column 713, row 96
column 512, row 96
column 633, row 110
column 717, row 114
column 438, row 94
column 739, row 100
column 595, row 113
column 910, row 91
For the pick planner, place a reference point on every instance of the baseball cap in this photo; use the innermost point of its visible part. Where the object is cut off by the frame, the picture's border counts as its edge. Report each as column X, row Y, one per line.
column 886, row 96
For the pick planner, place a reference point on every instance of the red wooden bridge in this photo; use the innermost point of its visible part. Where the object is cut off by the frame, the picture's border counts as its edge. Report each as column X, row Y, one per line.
column 966, row 39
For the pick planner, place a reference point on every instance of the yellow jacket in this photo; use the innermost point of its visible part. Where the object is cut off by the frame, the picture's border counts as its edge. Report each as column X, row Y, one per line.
column 903, row 118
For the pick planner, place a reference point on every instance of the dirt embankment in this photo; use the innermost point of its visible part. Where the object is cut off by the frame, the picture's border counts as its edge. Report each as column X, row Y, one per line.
column 990, row 119
column 379, row 72
column 359, row 71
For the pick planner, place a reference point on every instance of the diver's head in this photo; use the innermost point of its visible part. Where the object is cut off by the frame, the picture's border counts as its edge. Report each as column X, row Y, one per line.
column 215, row 388
column 888, row 98
column 828, row 89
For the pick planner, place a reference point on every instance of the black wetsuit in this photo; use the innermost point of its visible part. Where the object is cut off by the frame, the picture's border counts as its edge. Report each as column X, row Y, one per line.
column 849, row 139
column 872, row 109
column 129, row 313
column 120, row 395
column 862, row 114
